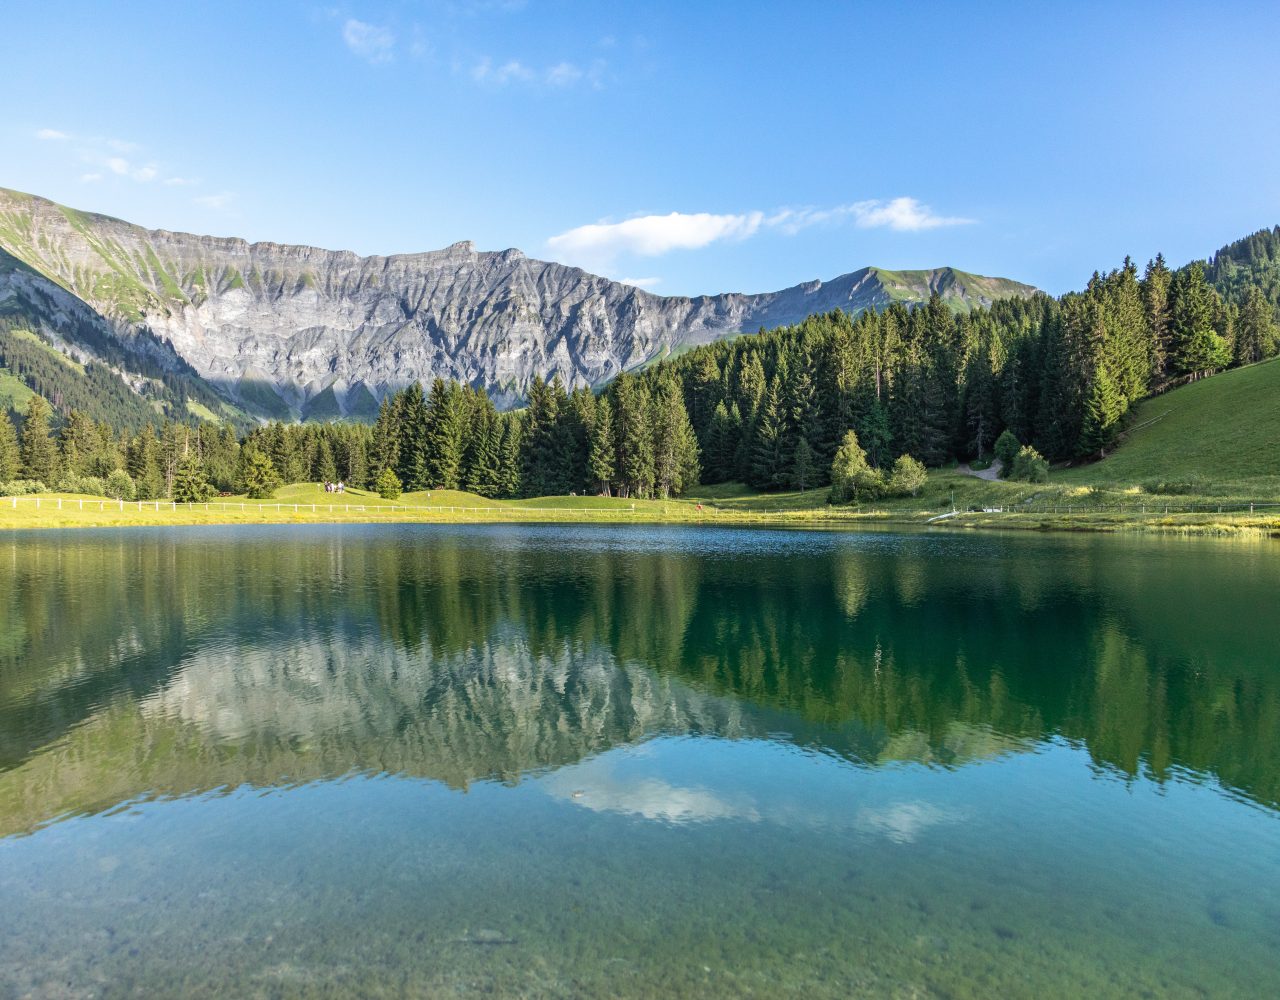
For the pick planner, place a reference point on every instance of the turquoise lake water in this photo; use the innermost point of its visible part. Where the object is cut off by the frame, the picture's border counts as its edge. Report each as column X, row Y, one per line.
column 636, row 762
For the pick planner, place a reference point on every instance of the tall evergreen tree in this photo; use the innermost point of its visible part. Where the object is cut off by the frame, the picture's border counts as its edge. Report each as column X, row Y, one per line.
column 602, row 460
column 38, row 452
column 10, row 454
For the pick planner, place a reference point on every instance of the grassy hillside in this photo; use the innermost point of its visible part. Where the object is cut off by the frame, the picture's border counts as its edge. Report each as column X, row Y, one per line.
column 1221, row 434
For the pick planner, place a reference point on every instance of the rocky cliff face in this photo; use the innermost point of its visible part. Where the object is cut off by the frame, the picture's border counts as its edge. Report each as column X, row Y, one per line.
column 299, row 331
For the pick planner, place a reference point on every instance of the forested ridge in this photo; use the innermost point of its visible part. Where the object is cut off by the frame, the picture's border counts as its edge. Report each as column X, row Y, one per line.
column 773, row 409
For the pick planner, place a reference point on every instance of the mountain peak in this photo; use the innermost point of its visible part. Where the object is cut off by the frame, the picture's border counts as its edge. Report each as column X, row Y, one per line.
column 276, row 326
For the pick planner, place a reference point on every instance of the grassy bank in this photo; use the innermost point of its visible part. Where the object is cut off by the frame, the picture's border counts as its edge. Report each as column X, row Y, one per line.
column 1008, row 505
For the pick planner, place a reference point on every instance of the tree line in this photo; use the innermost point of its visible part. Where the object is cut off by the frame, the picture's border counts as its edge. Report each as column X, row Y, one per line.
column 857, row 402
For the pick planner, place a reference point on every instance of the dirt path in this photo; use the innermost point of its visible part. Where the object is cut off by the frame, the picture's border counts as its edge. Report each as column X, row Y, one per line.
column 988, row 474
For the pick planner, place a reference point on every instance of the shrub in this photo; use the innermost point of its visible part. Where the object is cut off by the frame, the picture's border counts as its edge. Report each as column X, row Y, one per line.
column 1006, row 451
column 22, row 487
column 119, row 485
column 92, row 485
column 1185, row 485
column 388, row 485
column 1030, row 466
column 908, row 477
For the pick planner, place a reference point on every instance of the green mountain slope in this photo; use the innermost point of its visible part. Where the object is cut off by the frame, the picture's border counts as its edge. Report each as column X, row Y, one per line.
column 1222, row 431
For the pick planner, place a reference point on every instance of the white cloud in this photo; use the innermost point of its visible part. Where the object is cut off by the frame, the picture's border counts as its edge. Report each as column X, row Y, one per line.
column 653, row 235
column 90, row 178
column 513, row 70
column 563, row 74
column 218, row 202
column 117, row 165
column 641, row 282
column 598, row 244
column 902, row 214
column 52, row 134
column 370, row 42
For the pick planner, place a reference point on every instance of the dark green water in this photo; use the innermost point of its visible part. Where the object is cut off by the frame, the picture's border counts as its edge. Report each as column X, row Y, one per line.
column 636, row 762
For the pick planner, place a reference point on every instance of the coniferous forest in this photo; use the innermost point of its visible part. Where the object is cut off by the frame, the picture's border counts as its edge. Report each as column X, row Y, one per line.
column 1056, row 377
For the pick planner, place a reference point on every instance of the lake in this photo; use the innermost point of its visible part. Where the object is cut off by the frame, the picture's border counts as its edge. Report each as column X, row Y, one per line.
column 637, row 761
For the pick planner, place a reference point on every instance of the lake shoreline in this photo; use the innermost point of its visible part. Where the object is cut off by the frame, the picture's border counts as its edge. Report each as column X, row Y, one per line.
column 84, row 512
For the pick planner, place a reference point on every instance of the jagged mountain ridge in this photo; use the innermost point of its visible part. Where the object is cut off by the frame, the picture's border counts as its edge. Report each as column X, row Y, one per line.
column 300, row 331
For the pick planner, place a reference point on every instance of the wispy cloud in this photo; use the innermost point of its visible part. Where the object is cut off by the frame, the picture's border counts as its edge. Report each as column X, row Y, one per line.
column 600, row 243
column 52, row 135
column 180, row 181
column 489, row 72
column 903, row 214
column 218, row 202
column 105, row 156
column 641, row 282
column 370, row 42
column 90, row 178
column 653, row 235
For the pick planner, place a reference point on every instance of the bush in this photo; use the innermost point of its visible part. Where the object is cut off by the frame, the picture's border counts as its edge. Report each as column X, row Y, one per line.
column 119, row 485
column 388, row 485
column 1006, row 451
column 908, row 477
column 22, row 487
column 1190, row 484
column 1030, row 466
column 91, row 485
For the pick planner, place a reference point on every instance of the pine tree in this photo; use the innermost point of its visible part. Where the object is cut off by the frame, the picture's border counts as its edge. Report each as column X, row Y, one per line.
column 770, row 465
column 443, row 436
column 1105, row 407
column 412, row 426
column 325, row 469
column 388, row 484
column 603, row 466
column 1198, row 348
column 385, row 452
column 258, row 477
column 79, row 443
column 1256, row 335
column 10, row 454
column 509, row 462
column 1155, row 302
column 483, row 456
column 675, row 447
column 633, row 440
column 803, row 466
column 189, row 483
column 143, row 466
column 38, row 453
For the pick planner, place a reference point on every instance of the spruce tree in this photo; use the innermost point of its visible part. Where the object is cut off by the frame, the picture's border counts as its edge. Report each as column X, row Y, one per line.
column 258, row 477
column 189, row 483
column 803, row 465
column 442, row 437
column 388, row 484
column 602, row 460
column 38, row 453
column 770, row 462
column 1256, row 335
column 10, row 454
column 1103, row 410
column 325, row 469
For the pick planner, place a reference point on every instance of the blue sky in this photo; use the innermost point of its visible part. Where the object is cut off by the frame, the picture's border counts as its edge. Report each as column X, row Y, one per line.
column 691, row 147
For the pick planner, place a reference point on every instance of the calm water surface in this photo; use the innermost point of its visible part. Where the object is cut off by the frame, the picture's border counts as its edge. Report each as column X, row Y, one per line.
column 637, row 761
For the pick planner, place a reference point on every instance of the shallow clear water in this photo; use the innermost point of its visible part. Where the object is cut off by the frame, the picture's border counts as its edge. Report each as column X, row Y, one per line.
column 578, row 761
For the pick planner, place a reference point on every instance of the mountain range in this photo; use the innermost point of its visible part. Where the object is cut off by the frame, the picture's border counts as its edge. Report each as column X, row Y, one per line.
column 267, row 330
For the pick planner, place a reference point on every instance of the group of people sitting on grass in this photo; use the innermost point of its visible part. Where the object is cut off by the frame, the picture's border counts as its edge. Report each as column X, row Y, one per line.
column 335, row 487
